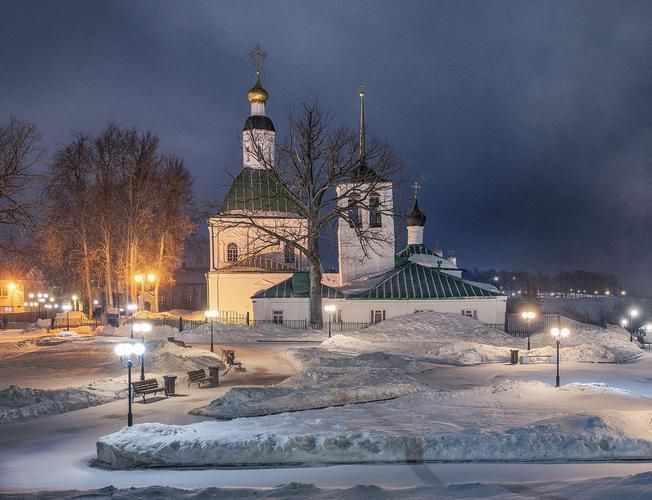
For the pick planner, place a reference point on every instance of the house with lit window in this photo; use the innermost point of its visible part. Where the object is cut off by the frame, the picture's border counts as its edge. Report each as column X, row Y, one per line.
column 12, row 296
column 254, row 276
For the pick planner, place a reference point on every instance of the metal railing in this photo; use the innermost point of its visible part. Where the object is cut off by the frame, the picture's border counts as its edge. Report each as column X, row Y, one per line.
column 519, row 327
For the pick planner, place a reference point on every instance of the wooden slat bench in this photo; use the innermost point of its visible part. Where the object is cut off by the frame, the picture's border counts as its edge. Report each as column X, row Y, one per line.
column 228, row 358
column 199, row 377
column 144, row 387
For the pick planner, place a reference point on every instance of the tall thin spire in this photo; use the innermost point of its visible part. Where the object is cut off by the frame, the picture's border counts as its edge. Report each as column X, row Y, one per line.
column 362, row 131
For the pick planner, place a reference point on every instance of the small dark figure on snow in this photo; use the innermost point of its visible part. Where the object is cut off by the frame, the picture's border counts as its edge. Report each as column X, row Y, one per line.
column 5, row 321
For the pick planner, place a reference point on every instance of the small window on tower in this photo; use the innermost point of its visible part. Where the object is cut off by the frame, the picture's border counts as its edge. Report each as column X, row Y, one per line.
column 354, row 211
column 375, row 217
column 232, row 252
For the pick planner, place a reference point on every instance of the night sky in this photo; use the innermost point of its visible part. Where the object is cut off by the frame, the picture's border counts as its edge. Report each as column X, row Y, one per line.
column 529, row 123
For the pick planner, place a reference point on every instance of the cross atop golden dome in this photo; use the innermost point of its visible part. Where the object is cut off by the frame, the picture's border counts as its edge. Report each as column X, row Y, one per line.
column 257, row 93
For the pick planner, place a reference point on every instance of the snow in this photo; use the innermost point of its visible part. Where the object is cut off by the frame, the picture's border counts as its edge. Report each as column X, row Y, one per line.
column 513, row 420
column 454, row 339
column 18, row 404
column 161, row 357
column 632, row 487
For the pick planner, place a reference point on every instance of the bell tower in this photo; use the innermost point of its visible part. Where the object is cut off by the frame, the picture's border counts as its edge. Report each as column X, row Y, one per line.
column 369, row 208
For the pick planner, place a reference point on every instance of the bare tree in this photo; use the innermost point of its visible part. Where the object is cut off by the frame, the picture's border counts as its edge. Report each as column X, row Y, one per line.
column 19, row 153
column 322, row 175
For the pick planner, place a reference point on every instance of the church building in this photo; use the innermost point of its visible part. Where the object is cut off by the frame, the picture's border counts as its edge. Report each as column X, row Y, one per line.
column 252, row 275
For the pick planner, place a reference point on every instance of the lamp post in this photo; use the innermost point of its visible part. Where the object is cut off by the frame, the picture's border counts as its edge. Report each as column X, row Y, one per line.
column 528, row 316
column 559, row 334
column 632, row 314
column 124, row 352
column 210, row 316
column 142, row 328
column 330, row 309
column 132, row 308
column 67, row 308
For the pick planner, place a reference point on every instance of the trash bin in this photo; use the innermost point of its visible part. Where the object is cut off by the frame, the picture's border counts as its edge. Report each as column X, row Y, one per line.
column 513, row 358
column 170, row 381
column 214, row 373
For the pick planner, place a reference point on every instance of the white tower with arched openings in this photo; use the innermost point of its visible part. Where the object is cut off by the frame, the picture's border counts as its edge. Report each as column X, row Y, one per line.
column 370, row 206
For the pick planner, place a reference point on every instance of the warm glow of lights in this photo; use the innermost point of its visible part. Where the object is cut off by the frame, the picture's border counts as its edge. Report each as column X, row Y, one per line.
column 528, row 315
column 132, row 307
column 633, row 313
column 138, row 278
column 557, row 333
column 31, row 295
column 330, row 308
column 151, row 277
column 142, row 327
column 623, row 322
column 75, row 298
column 211, row 314
column 11, row 286
column 66, row 307
column 126, row 350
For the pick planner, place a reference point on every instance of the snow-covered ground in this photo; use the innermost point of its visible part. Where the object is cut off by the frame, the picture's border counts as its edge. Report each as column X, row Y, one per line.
column 633, row 487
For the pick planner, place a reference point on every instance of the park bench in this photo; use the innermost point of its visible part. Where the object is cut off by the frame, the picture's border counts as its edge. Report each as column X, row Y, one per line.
column 180, row 343
column 199, row 377
column 144, row 387
column 228, row 358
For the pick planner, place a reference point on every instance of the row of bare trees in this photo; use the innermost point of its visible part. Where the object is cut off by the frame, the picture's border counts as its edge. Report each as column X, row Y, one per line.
column 112, row 206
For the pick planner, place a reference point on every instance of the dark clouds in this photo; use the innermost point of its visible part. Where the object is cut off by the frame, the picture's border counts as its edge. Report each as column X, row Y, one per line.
column 528, row 123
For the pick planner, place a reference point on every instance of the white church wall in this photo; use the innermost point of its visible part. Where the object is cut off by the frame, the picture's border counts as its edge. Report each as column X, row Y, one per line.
column 255, row 142
column 486, row 310
column 232, row 291
column 251, row 241
column 352, row 260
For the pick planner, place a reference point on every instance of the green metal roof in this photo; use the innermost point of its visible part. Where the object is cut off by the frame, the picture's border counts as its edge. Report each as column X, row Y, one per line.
column 297, row 287
column 257, row 190
column 411, row 250
column 413, row 281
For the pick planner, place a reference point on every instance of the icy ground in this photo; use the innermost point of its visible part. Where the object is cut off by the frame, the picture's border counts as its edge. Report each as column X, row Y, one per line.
column 632, row 487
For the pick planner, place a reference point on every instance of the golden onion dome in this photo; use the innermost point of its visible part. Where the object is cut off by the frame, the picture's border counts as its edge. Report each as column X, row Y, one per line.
column 257, row 93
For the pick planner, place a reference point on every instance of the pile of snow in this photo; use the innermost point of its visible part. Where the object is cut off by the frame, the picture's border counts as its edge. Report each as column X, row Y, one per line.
column 604, row 345
column 18, row 404
column 450, row 338
column 523, row 421
column 168, row 357
column 43, row 323
column 74, row 316
column 330, row 380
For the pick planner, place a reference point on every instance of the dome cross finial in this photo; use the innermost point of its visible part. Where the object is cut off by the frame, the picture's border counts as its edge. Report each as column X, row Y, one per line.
column 416, row 186
column 257, row 94
column 258, row 54
column 362, row 144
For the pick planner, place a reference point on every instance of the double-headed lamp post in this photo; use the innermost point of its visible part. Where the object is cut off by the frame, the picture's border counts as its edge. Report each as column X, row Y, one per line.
column 559, row 334
column 125, row 352
column 528, row 316
column 632, row 314
column 330, row 309
column 210, row 316
column 141, row 328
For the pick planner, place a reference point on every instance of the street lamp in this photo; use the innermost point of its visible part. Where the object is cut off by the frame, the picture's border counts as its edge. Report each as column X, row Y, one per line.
column 528, row 316
column 632, row 314
column 623, row 323
column 125, row 351
column 142, row 328
column 75, row 302
column 211, row 315
column 67, row 308
column 330, row 309
column 559, row 334
column 132, row 308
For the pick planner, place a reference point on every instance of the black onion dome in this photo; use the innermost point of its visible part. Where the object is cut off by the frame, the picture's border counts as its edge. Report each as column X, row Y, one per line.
column 416, row 217
column 259, row 122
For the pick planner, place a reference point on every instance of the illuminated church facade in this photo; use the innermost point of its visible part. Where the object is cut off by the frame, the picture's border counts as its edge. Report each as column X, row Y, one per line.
column 253, row 276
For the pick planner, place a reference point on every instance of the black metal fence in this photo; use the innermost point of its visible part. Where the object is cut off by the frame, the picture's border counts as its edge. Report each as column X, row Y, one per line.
column 520, row 327
column 298, row 324
column 75, row 323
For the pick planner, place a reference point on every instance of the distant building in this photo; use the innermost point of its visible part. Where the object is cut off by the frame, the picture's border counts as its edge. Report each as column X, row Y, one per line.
column 12, row 296
column 188, row 291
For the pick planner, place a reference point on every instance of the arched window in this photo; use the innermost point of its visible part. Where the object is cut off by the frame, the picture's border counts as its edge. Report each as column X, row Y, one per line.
column 375, row 217
column 354, row 211
column 289, row 254
column 232, row 252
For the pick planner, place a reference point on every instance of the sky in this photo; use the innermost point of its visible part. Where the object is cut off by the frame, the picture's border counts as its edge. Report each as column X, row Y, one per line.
column 528, row 123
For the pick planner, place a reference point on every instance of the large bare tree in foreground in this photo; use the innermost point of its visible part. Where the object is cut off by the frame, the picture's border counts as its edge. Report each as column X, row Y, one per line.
column 325, row 174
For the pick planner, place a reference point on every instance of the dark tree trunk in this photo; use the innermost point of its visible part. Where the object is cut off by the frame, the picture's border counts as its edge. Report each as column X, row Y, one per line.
column 314, row 267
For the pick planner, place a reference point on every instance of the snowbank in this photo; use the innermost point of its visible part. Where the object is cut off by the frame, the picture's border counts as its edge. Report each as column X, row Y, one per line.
column 514, row 420
column 454, row 339
column 18, row 404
